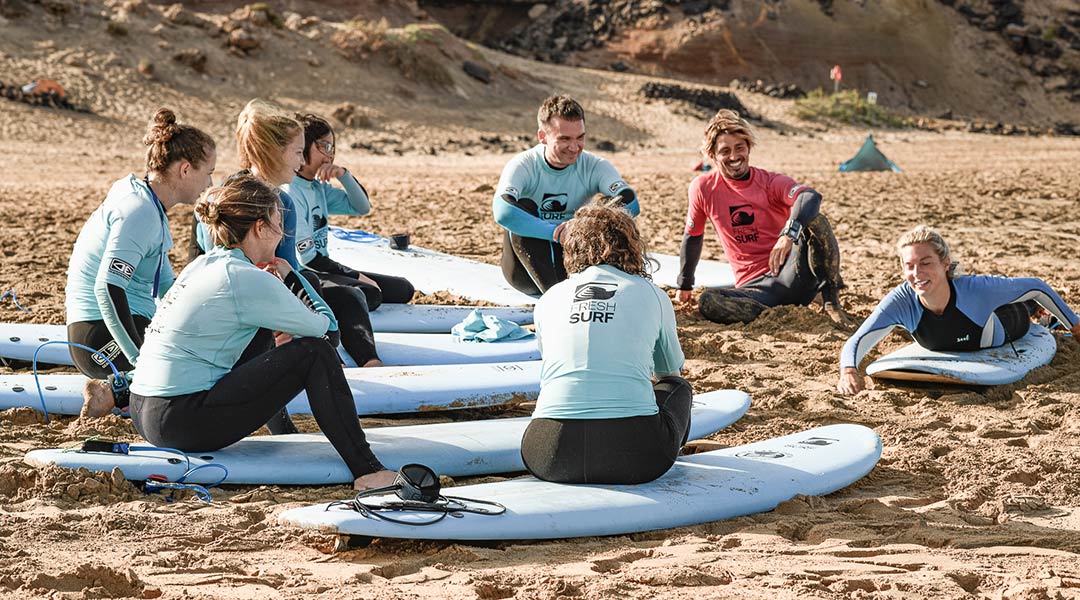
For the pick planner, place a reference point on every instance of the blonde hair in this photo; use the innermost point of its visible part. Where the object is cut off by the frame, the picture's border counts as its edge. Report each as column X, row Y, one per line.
column 604, row 233
column 168, row 142
column 262, row 132
column 922, row 234
column 230, row 211
column 726, row 122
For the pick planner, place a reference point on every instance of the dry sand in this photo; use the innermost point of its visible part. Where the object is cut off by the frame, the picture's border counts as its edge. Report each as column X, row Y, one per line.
column 977, row 493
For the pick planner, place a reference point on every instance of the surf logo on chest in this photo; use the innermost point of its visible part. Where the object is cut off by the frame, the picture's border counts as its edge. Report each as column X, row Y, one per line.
column 742, row 223
column 122, row 268
column 592, row 303
column 553, row 206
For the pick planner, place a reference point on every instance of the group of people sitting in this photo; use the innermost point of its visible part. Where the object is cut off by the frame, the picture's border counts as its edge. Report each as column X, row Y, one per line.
column 209, row 356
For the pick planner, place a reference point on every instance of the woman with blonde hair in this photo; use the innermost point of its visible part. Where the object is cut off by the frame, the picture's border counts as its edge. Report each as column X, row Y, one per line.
column 119, row 266
column 270, row 144
column 198, row 387
column 603, row 333
column 945, row 310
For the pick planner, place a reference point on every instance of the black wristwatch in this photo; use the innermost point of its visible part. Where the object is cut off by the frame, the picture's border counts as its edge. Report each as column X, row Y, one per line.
column 792, row 229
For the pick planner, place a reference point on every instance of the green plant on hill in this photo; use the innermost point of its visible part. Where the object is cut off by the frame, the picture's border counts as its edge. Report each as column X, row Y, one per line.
column 271, row 16
column 847, row 106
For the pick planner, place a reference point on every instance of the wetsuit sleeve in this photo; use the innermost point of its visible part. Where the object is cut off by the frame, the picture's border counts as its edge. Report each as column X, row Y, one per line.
column 668, row 356
column 992, row 292
column 607, row 181
column 286, row 248
column 807, row 206
column 689, row 256
column 898, row 308
column 263, row 301
column 693, row 237
column 131, row 238
column 514, row 213
column 353, row 200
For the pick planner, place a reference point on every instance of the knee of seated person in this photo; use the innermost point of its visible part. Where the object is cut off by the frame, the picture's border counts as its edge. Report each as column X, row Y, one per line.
column 727, row 310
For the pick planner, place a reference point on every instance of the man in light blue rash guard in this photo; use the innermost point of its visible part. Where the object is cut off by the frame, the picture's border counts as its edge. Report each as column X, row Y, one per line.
column 947, row 311
column 194, row 390
column 541, row 188
column 603, row 333
column 316, row 198
column 119, row 266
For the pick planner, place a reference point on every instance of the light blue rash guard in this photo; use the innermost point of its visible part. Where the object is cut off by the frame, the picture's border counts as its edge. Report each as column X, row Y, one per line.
column 122, row 244
column 558, row 193
column 286, row 248
column 977, row 297
column 210, row 316
column 315, row 201
column 602, row 335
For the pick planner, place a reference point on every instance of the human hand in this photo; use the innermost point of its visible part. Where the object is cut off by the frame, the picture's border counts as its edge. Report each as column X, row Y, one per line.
column 1075, row 331
column 367, row 280
column 279, row 267
column 560, row 231
column 685, row 296
column 329, row 171
column 281, row 338
column 850, row 382
column 779, row 254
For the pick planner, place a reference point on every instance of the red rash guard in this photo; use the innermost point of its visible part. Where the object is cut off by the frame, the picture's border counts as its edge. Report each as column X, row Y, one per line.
column 747, row 214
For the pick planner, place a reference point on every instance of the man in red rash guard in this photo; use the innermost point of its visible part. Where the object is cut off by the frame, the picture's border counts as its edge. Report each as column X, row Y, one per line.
column 780, row 246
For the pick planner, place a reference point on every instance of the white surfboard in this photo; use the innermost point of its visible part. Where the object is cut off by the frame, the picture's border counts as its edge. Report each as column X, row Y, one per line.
column 383, row 390
column 431, row 271
column 700, row 488
column 990, row 366
column 18, row 341
column 454, row 449
column 438, row 318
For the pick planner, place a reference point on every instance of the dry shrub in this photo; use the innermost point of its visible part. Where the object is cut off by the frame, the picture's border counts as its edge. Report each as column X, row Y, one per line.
column 412, row 50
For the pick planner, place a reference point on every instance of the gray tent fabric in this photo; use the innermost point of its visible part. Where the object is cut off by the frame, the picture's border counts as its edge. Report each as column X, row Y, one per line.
column 869, row 158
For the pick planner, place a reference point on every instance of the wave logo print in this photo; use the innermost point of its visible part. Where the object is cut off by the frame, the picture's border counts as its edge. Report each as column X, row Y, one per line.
column 595, row 291
column 552, row 203
column 741, row 215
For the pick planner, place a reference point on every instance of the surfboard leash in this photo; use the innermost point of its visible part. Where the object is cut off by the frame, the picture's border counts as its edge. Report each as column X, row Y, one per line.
column 418, row 489
column 14, row 300
column 157, row 483
column 37, row 381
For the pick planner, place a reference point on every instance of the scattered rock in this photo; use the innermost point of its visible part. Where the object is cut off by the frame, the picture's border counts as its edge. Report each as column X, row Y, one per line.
column 605, row 146
column 192, row 57
column 700, row 97
column 243, row 40
column 774, row 90
column 476, row 71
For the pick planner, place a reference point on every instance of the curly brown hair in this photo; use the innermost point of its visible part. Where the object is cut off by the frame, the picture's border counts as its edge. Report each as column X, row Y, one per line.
column 231, row 210
column 603, row 233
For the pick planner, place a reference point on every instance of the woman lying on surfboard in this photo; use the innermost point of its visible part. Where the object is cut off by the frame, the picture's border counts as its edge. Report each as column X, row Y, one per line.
column 603, row 332
column 947, row 311
column 270, row 144
column 120, row 265
column 316, row 198
column 201, row 385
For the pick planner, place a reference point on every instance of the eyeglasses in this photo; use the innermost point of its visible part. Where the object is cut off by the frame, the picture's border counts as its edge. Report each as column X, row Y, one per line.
column 326, row 147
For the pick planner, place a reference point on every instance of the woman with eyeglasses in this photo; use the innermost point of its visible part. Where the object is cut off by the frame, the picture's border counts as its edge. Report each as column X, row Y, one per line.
column 271, row 148
column 197, row 389
column 120, row 265
column 316, row 198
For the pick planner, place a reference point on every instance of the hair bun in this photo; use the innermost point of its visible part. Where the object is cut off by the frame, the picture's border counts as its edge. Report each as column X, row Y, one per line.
column 162, row 127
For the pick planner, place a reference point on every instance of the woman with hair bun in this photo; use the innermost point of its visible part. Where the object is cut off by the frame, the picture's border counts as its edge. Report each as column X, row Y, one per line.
column 120, row 266
column 945, row 310
column 603, row 332
column 198, row 388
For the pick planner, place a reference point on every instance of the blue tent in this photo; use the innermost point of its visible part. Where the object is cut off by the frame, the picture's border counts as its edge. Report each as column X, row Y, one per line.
column 869, row 158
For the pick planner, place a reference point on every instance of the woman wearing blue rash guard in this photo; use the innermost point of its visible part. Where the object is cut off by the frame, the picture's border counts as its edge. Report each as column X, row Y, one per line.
column 120, row 266
column 192, row 390
column 271, row 148
column 945, row 310
column 316, row 199
column 603, row 332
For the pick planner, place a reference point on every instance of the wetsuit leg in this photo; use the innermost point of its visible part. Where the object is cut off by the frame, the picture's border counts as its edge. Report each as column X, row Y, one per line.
column 824, row 255
column 1016, row 318
column 263, row 342
column 795, row 284
column 194, row 250
column 611, row 451
column 248, row 396
column 351, row 310
column 531, row 265
column 394, row 290
column 95, row 334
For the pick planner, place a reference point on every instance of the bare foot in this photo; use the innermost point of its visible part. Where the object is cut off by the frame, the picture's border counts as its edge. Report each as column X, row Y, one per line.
column 98, row 399
column 373, row 363
column 374, row 480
